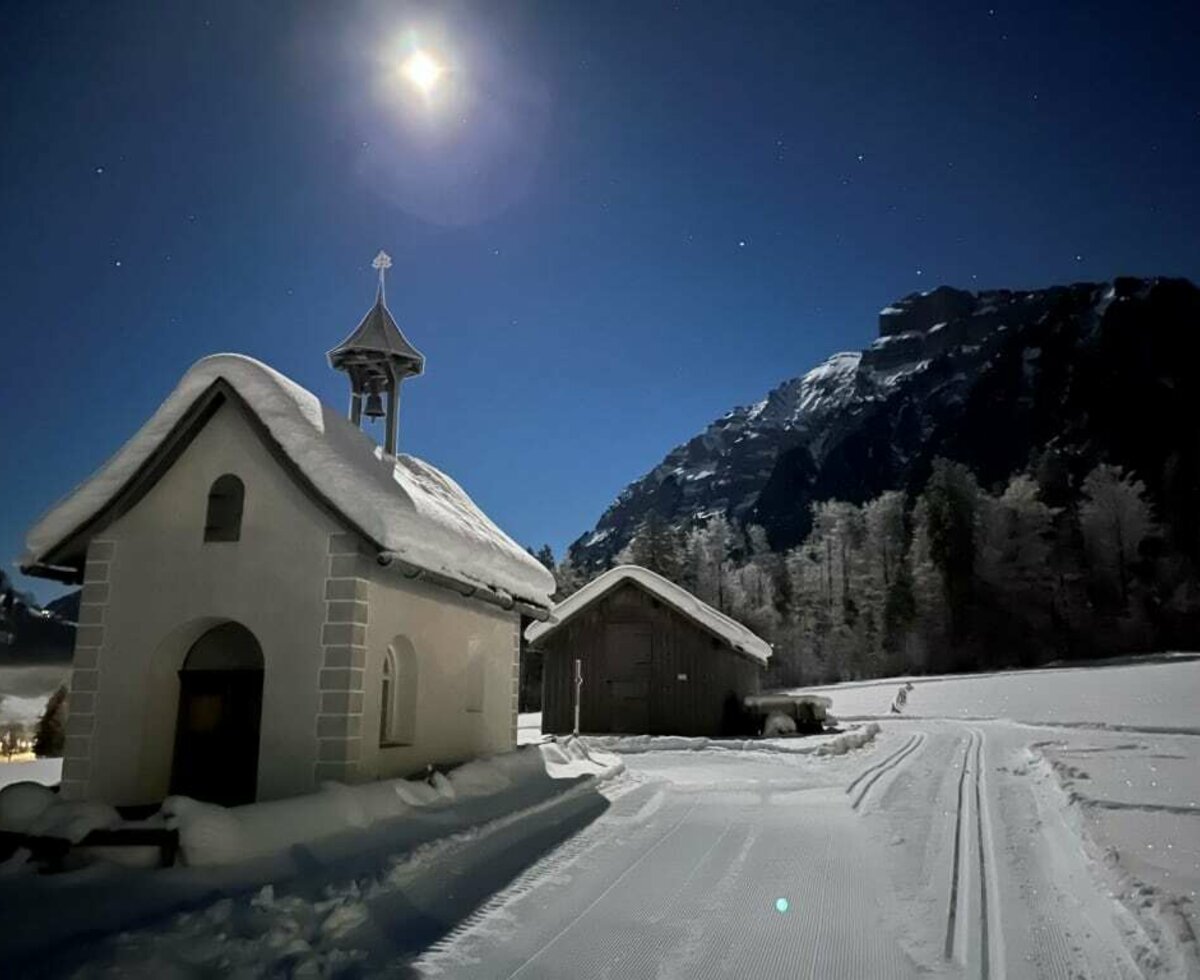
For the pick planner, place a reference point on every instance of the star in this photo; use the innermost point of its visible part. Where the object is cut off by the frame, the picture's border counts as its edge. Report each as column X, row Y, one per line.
column 920, row 272
column 861, row 157
column 742, row 243
column 1078, row 258
column 117, row 263
column 99, row 170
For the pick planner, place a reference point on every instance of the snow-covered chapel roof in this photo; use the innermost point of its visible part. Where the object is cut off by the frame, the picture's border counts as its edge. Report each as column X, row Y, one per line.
column 680, row 599
column 402, row 505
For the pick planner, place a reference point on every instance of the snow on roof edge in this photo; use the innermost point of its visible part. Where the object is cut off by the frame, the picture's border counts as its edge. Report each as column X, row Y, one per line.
column 404, row 504
column 734, row 633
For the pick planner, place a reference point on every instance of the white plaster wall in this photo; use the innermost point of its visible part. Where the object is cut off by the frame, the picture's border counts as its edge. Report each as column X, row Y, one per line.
column 166, row 586
column 443, row 628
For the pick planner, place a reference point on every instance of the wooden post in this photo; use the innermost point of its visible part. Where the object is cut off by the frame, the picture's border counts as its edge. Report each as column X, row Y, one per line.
column 356, row 408
column 578, row 689
column 393, row 409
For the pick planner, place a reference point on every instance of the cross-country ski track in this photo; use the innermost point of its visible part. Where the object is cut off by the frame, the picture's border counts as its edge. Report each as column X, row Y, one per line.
column 911, row 855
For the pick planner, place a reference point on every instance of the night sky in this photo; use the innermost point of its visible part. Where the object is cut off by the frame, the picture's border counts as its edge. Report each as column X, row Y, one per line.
column 610, row 222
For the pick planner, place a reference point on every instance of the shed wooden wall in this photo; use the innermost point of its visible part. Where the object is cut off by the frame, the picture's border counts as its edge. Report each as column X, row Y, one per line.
column 696, row 706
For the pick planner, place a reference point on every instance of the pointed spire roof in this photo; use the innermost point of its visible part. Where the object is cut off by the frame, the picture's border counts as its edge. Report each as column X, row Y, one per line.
column 378, row 337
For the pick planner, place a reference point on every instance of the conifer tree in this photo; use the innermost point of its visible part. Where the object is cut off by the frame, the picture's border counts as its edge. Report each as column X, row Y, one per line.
column 50, row 734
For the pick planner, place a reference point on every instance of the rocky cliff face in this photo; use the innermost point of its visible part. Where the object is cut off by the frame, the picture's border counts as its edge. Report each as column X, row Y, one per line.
column 1090, row 372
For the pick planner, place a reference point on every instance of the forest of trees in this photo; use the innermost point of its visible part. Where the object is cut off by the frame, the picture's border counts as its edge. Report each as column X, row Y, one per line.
column 955, row 578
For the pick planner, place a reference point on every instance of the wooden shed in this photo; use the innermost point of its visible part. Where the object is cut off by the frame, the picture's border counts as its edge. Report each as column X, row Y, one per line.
column 655, row 659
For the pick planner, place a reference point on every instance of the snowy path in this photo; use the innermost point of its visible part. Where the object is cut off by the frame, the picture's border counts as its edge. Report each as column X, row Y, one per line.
column 940, row 848
column 680, row 878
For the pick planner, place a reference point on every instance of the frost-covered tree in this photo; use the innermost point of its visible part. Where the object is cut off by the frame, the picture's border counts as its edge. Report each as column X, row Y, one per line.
column 708, row 553
column 656, row 546
column 1116, row 517
column 1014, row 545
column 1015, row 572
column 569, row 577
column 544, row 554
column 945, row 544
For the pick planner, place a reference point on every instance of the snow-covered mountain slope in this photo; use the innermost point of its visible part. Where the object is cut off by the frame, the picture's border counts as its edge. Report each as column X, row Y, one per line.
column 990, row 378
column 32, row 635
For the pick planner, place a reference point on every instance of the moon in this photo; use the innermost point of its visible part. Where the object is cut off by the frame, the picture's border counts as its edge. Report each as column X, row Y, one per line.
column 422, row 70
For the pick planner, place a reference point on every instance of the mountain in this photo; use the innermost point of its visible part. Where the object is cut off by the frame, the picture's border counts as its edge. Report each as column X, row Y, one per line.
column 1000, row 380
column 31, row 635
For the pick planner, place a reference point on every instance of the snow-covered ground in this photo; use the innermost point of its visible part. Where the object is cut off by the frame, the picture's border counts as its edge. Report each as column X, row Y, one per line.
column 956, row 842
column 1014, row 825
column 44, row 771
column 349, row 877
column 1100, row 761
column 529, row 728
column 1152, row 692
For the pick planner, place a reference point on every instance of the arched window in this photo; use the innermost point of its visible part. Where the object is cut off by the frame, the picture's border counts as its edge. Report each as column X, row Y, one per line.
column 223, row 521
column 398, row 694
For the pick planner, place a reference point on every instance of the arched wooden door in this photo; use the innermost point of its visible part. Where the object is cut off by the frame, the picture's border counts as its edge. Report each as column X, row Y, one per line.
column 220, row 714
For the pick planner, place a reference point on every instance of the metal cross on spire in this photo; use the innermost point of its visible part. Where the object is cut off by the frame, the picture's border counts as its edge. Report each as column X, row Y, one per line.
column 382, row 262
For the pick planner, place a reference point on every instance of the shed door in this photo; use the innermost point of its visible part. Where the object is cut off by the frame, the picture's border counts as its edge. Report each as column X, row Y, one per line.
column 627, row 656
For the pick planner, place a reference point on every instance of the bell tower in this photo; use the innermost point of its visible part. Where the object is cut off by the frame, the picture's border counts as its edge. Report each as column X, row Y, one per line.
column 377, row 357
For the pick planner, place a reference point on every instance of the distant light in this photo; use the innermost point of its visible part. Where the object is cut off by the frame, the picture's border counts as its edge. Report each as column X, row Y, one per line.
column 423, row 70
column 782, row 905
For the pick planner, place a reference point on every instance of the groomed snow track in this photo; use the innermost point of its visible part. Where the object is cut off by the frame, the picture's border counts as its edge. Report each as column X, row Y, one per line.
column 970, row 932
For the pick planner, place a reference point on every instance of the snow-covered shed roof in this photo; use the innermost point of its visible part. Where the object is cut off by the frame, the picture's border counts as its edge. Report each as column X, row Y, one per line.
column 680, row 599
column 402, row 505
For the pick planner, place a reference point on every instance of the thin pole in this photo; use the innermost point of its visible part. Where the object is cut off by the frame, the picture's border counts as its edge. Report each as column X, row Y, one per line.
column 578, row 689
column 393, row 411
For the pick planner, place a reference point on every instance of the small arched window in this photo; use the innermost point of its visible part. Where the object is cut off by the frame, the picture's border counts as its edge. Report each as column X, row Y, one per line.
column 223, row 521
column 398, row 694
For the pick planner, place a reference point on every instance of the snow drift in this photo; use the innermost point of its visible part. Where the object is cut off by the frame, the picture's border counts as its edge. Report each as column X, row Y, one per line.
column 217, row 835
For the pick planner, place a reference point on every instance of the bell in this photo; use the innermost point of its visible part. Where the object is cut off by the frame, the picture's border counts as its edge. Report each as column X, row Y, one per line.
column 374, row 406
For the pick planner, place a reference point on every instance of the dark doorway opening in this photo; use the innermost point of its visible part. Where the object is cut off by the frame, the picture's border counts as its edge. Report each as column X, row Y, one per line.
column 220, row 715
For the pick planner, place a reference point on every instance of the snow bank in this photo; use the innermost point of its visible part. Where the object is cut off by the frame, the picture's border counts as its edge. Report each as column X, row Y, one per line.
column 30, row 808
column 23, row 803
column 405, row 505
column 574, row 757
column 215, row 835
column 815, row 745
